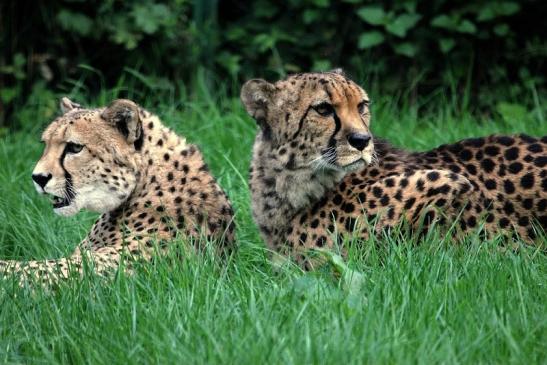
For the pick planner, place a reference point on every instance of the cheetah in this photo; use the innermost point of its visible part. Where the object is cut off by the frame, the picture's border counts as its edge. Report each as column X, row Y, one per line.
column 317, row 173
column 147, row 183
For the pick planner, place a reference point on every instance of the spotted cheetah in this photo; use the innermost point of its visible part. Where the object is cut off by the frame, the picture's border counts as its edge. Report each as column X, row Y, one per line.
column 317, row 172
column 148, row 183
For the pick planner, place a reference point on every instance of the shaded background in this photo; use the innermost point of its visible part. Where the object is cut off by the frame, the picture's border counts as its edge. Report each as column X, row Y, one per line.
column 480, row 52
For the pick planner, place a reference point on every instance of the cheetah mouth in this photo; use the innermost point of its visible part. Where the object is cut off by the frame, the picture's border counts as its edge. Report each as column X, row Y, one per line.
column 355, row 165
column 60, row 201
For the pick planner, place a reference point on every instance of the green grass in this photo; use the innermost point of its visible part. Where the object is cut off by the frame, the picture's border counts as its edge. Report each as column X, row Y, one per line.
column 436, row 302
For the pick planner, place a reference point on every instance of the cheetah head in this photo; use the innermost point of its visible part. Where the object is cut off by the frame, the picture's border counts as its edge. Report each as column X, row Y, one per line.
column 319, row 120
column 91, row 157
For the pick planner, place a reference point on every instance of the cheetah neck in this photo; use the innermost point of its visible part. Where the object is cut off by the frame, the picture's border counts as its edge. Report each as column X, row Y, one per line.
column 279, row 193
column 150, row 168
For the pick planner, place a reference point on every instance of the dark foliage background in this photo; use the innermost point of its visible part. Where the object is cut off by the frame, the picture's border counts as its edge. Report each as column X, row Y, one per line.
column 480, row 49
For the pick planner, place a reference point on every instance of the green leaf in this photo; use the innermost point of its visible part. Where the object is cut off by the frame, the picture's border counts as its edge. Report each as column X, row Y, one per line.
column 75, row 22
column 19, row 60
column 310, row 15
column 443, row 21
column 149, row 18
column 352, row 280
column 453, row 23
column 122, row 34
column 501, row 29
column 446, row 44
column 492, row 10
column 410, row 6
column 507, row 8
column 265, row 9
column 466, row 27
column 264, row 42
column 231, row 62
column 235, row 33
column 372, row 14
column 7, row 94
column 402, row 24
column 405, row 49
column 146, row 23
column 321, row 3
column 370, row 39
column 487, row 13
column 17, row 68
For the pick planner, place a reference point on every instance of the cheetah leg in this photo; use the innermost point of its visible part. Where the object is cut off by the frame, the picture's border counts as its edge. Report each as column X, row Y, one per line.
column 430, row 195
column 104, row 259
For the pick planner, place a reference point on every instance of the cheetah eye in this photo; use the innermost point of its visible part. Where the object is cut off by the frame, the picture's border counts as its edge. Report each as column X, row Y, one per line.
column 363, row 106
column 73, row 148
column 324, row 109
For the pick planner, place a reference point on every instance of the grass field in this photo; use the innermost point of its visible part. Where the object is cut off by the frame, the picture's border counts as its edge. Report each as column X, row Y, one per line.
column 435, row 302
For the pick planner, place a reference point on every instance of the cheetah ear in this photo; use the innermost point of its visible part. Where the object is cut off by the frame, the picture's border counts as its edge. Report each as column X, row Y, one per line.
column 67, row 105
column 124, row 115
column 257, row 95
column 338, row 71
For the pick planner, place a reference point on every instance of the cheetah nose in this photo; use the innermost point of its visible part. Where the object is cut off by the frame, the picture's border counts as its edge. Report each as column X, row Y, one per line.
column 41, row 179
column 359, row 140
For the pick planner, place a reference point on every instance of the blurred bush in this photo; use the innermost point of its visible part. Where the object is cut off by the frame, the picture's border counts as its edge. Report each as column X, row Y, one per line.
column 418, row 46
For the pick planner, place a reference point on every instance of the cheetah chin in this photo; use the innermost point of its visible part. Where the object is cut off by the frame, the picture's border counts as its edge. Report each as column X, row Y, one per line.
column 357, row 165
column 364, row 161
